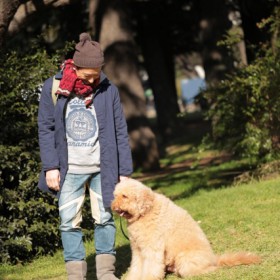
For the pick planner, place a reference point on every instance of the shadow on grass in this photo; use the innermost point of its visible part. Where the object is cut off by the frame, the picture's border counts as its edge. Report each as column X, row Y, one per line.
column 194, row 175
column 190, row 133
column 123, row 260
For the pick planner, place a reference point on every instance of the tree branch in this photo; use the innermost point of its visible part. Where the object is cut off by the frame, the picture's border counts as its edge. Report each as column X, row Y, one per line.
column 7, row 10
column 31, row 7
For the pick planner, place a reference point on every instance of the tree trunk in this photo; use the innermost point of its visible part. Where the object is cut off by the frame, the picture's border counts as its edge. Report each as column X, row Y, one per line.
column 252, row 12
column 92, row 7
column 213, row 24
column 158, row 58
column 121, row 66
column 15, row 13
column 8, row 9
column 30, row 7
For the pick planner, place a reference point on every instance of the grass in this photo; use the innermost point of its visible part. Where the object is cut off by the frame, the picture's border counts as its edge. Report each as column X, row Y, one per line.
column 234, row 217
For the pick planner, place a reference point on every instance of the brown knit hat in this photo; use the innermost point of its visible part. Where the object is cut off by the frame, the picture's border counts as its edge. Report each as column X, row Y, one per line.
column 88, row 53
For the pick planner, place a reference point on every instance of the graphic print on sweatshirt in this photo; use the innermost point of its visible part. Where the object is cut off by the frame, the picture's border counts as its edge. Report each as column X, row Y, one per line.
column 82, row 137
column 81, row 125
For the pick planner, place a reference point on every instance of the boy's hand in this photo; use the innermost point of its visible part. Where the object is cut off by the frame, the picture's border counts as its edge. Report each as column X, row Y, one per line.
column 123, row 178
column 53, row 179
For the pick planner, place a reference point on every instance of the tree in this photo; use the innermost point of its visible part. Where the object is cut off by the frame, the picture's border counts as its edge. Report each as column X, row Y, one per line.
column 162, row 29
column 8, row 9
column 115, row 36
column 143, row 140
column 245, row 106
column 14, row 14
column 156, row 43
column 252, row 13
column 213, row 23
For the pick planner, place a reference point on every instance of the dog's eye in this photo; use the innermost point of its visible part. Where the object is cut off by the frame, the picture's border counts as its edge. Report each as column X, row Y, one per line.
column 124, row 196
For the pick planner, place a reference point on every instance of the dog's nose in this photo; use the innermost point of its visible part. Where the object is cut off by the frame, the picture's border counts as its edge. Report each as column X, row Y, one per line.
column 114, row 206
column 116, row 209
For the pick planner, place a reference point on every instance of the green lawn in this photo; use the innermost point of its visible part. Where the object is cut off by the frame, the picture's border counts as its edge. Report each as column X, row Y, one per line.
column 234, row 217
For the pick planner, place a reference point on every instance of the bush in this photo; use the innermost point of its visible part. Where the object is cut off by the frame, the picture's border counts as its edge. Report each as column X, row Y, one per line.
column 245, row 106
column 29, row 218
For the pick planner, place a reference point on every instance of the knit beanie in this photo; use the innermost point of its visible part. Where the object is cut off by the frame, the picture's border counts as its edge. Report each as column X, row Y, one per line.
column 88, row 54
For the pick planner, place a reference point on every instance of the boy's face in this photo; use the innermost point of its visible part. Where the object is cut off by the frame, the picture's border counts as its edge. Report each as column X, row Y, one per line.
column 88, row 75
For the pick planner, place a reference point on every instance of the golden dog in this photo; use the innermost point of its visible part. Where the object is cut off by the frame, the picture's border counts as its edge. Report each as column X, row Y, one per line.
column 164, row 237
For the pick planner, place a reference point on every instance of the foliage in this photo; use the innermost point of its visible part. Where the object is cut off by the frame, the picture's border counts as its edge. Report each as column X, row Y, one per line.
column 29, row 219
column 245, row 106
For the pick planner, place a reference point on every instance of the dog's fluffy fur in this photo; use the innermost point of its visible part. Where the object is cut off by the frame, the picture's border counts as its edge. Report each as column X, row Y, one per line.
column 164, row 237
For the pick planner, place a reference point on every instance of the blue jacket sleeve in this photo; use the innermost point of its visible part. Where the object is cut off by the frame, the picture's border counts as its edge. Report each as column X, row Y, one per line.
column 46, row 128
column 124, row 151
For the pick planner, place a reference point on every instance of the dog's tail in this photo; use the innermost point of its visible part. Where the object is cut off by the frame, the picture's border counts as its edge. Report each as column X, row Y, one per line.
column 239, row 258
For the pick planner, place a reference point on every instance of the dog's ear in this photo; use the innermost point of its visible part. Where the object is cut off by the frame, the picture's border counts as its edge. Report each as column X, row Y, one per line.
column 145, row 199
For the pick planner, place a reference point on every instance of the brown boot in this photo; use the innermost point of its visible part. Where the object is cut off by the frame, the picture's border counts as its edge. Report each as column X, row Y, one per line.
column 105, row 267
column 76, row 270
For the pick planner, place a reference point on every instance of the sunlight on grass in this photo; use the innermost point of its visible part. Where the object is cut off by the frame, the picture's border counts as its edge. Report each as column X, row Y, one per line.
column 234, row 217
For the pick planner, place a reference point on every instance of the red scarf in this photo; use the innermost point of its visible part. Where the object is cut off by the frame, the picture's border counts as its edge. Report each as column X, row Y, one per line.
column 71, row 83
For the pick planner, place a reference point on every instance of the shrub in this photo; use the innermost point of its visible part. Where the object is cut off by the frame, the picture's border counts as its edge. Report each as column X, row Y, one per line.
column 29, row 218
column 245, row 106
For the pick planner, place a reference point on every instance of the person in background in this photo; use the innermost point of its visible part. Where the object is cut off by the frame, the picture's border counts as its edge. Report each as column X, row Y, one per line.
column 84, row 143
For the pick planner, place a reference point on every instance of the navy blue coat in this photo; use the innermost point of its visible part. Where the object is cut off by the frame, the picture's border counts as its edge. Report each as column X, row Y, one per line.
column 115, row 153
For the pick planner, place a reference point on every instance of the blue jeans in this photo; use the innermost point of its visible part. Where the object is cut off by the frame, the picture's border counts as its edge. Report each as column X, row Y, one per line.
column 70, row 204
